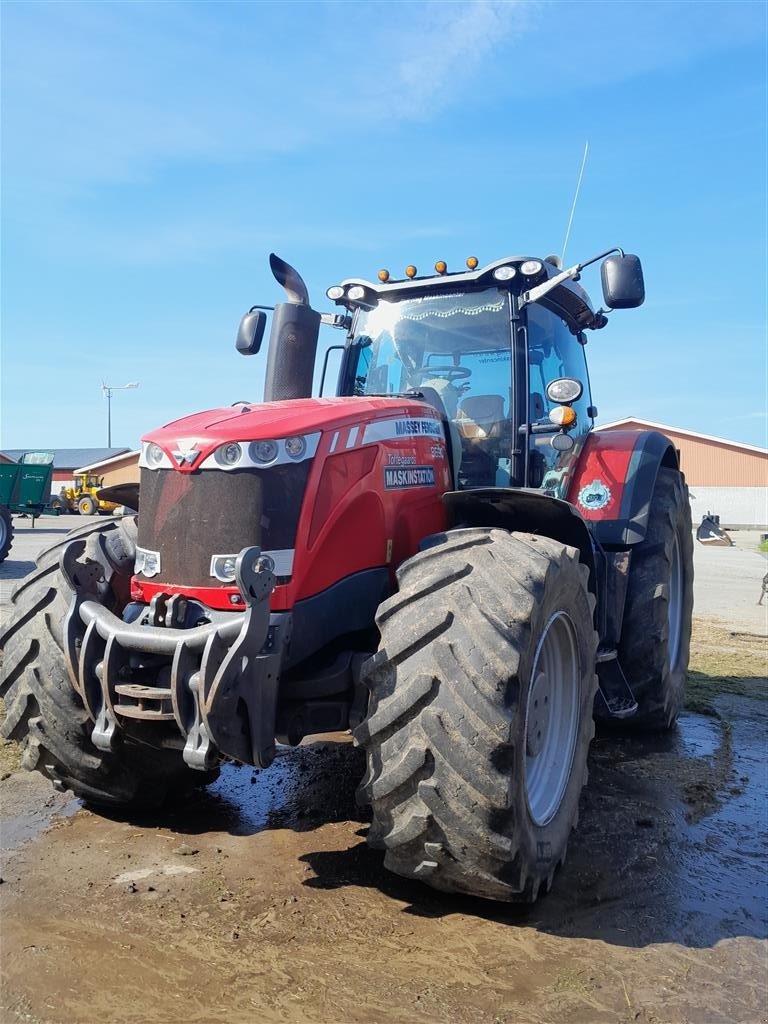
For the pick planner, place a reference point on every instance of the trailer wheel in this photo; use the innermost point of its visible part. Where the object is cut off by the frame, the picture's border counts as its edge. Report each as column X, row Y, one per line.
column 86, row 506
column 480, row 714
column 43, row 712
column 656, row 633
column 6, row 532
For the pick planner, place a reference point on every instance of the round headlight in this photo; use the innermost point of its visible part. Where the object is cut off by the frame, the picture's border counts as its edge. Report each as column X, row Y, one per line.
column 356, row 292
column 335, row 291
column 530, row 267
column 223, row 568
column 295, row 446
column 562, row 442
column 267, row 563
column 229, row 454
column 264, row 452
column 564, row 389
column 504, row 273
column 155, row 454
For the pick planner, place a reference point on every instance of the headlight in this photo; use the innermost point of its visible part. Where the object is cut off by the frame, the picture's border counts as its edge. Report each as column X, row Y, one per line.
column 264, row 452
column 223, row 568
column 229, row 454
column 147, row 562
column 504, row 273
column 295, row 446
column 564, row 389
column 530, row 267
column 356, row 292
column 335, row 292
column 154, row 454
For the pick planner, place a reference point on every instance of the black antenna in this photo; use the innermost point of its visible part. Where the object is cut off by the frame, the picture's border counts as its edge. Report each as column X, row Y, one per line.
column 573, row 207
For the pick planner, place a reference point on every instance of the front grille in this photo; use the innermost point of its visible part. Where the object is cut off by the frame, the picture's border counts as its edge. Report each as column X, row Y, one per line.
column 189, row 517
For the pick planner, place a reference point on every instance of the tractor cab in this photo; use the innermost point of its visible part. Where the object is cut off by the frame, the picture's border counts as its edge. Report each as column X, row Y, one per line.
column 490, row 349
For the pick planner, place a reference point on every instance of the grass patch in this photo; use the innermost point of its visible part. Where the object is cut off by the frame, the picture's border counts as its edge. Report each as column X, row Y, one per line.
column 724, row 661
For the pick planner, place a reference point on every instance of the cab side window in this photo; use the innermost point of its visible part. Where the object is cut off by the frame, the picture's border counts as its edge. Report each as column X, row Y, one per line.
column 553, row 351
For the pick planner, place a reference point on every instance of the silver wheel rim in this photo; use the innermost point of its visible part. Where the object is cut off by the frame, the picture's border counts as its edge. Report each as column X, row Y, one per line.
column 675, row 604
column 3, row 532
column 552, row 718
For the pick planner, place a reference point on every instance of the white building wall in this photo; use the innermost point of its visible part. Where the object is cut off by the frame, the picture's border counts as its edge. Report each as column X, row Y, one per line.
column 736, row 506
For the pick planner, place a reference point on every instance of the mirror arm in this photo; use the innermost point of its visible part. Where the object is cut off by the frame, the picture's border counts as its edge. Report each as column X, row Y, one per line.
column 336, row 320
column 572, row 274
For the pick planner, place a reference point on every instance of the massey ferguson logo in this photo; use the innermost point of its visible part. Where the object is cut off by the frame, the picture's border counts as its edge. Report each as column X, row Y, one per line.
column 186, row 452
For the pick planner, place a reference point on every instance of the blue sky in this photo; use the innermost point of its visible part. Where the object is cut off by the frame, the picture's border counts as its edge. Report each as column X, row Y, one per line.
column 155, row 153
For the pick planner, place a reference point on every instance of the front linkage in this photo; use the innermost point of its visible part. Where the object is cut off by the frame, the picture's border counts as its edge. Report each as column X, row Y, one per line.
column 218, row 681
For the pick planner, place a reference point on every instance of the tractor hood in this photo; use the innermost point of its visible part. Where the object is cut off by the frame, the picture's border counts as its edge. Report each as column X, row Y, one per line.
column 187, row 442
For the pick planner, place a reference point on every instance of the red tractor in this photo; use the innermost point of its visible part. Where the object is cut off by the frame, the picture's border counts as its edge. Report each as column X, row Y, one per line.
column 444, row 558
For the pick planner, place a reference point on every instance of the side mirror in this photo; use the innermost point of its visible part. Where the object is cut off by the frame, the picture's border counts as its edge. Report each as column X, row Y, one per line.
column 251, row 332
column 623, row 285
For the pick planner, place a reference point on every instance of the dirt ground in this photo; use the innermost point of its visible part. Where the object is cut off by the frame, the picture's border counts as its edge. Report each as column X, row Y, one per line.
column 258, row 900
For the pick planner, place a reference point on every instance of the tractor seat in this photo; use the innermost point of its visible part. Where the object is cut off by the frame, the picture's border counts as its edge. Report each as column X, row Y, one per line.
column 480, row 417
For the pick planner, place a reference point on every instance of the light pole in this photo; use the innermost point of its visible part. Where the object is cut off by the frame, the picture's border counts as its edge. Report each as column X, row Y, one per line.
column 107, row 389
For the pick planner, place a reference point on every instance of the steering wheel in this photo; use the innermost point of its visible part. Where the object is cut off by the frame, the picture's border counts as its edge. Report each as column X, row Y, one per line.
column 453, row 372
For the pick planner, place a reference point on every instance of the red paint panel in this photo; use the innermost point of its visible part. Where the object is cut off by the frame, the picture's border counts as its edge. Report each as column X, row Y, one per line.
column 271, row 420
column 370, row 498
column 602, row 467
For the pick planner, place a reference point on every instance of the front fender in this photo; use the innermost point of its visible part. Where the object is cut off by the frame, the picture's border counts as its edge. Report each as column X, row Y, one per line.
column 613, row 482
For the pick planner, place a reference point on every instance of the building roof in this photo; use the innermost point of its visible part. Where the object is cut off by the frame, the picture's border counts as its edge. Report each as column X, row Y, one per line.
column 69, row 458
column 668, row 428
column 104, row 463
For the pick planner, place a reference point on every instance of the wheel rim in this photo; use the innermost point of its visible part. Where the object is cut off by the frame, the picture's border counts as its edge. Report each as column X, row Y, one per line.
column 552, row 718
column 675, row 604
column 3, row 532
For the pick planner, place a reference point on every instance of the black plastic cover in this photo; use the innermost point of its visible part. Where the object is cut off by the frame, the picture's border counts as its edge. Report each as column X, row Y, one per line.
column 292, row 347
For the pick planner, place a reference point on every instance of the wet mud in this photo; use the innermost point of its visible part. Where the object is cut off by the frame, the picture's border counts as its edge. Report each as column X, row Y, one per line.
column 258, row 900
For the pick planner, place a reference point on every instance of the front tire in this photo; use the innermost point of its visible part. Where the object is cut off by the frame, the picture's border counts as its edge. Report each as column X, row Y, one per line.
column 43, row 712
column 480, row 716
column 656, row 633
column 86, row 506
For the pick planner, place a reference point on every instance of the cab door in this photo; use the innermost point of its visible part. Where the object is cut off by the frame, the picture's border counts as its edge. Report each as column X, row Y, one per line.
column 553, row 351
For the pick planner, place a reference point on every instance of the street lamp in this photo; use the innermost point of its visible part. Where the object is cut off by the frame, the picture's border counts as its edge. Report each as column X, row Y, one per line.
column 107, row 389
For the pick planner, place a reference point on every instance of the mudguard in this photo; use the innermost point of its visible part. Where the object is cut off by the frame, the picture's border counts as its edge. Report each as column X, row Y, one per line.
column 531, row 511
column 613, row 482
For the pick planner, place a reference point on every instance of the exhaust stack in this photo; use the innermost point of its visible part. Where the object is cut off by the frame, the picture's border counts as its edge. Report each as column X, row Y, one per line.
column 292, row 339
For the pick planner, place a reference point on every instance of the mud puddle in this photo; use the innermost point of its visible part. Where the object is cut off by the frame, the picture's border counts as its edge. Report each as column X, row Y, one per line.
column 259, row 900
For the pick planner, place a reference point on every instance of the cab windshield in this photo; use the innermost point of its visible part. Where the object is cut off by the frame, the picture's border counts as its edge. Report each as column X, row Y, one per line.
column 458, row 344
column 456, row 350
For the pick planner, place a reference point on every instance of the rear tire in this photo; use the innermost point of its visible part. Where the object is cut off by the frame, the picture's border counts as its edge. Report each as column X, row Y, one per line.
column 656, row 633
column 44, row 713
column 458, row 800
column 6, row 532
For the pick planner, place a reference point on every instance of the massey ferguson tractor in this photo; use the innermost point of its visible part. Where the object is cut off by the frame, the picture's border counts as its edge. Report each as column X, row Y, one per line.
column 444, row 558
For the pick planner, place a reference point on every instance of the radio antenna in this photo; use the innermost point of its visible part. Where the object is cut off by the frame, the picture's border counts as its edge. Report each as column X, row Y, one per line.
column 575, row 199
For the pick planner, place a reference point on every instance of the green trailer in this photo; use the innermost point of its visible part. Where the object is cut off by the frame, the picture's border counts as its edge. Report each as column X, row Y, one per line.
column 25, row 488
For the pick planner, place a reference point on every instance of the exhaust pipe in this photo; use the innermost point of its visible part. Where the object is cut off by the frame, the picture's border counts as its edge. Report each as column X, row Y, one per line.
column 292, row 340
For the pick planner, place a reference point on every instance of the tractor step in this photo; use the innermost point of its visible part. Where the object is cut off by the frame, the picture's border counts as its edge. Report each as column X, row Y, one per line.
column 614, row 694
column 153, row 703
column 145, row 714
column 139, row 692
